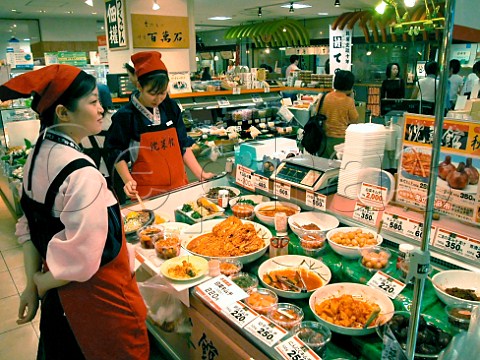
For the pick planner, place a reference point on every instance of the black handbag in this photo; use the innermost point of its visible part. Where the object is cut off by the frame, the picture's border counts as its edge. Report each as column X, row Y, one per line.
column 314, row 137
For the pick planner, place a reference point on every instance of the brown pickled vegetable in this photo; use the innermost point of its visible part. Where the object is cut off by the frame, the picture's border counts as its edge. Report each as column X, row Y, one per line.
column 465, row 294
column 471, row 172
column 445, row 168
column 458, row 179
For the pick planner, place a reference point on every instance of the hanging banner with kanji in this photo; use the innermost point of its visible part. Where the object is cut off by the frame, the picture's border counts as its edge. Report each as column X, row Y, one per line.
column 116, row 24
column 340, row 49
column 160, row 32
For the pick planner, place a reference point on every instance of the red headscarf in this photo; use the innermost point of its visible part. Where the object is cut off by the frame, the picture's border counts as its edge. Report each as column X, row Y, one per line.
column 48, row 83
column 148, row 61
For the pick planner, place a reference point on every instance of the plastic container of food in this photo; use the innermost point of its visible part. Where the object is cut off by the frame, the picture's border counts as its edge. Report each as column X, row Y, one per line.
column 229, row 267
column 261, row 300
column 375, row 258
column 243, row 211
column 245, row 280
column 149, row 235
column 286, row 315
column 459, row 315
column 167, row 248
column 312, row 242
column 315, row 335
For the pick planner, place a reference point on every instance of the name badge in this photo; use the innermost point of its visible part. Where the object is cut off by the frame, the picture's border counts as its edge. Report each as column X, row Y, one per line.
column 169, row 122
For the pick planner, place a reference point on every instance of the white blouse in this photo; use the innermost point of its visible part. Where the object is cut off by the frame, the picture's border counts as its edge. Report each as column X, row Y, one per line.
column 73, row 254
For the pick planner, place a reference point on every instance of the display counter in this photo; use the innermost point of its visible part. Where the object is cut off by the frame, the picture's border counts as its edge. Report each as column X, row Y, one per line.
column 215, row 332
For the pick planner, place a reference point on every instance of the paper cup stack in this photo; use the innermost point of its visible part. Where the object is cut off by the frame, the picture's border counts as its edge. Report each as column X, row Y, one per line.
column 364, row 148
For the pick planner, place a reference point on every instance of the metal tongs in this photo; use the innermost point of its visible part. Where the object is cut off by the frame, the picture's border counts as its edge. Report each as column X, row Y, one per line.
column 291, row 285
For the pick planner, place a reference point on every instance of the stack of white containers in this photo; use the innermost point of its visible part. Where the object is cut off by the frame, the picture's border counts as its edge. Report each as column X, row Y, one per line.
column 364, row 148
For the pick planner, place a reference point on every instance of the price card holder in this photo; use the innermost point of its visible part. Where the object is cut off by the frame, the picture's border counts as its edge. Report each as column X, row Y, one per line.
column 365, row 214
column 266, row 89
column 236, row 90
column 240, row 314
column 244, row 177
column 295, row 349
column 261, row 182
column 220, row 292
column 265, row 330
column 282, row 190
column 316, row 201
column 394, row 223
column 386, row 284
column 414, row 230
column 452, row 242
column 373, row 195
column 472, row 250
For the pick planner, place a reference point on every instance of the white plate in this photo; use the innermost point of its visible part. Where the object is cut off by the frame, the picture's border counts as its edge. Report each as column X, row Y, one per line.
column 324, row 221
column 195, row 230
column 366, row 293
column 199, row 264
column 294, row 261
column 204, row 217
column 257, row 199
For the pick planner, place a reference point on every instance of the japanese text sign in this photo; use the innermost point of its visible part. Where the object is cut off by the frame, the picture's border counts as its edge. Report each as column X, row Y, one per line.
column 160, row 32
column 340, row 49
column 116, row 24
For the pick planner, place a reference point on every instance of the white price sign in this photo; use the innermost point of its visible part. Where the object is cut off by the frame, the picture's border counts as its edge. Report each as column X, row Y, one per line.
column 394, row 223
column 451, row 242
column 265, row 330
column 282, row 190
column 472, row 250
column 220, row 292
column 266, row 89
column 365, row 214
column 295, row 349
column 239, row 313
column 244, row 177
column 414, row 230
column 316, row 201
column 236, row 90
column 261, row 182
column 386, row 284
column 373, row 195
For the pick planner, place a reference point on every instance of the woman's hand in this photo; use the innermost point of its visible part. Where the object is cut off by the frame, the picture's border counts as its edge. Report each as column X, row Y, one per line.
column 28, row 307
column 206, row 175
column 41, row 286
column 130, row 188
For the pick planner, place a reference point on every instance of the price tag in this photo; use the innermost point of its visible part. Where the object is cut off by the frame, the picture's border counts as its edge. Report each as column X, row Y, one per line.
column 295, row 349
column 373, row 195
column 386, row 284
column 236, row 90
column 365, row 214
column 266, row 89
column 414, row 230
column 223, row 101
column 394, row 223
column 239, row 313
column 244, row 177
column 265, row 330
column 282, row 190
column 261, row 182
column 472, row 249
column 316, row 201
column 220, row 292
column 451, row 242
column 256, row 99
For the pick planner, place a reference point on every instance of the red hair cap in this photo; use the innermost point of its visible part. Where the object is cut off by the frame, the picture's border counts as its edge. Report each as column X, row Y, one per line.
column 48, row 83
column 148, row 61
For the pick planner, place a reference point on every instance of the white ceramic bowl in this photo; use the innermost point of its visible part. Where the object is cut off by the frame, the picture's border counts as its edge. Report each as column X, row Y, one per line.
column 351, row 252
column 293, row 261
column 270, row 220
column 195, row 230
column 366, row 293
column 462, row 279
column 324, row 221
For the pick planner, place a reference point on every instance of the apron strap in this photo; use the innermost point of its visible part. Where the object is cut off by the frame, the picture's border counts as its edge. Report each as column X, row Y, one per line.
column 62, row 175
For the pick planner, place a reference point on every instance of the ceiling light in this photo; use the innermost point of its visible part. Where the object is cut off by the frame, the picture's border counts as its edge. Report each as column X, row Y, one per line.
column 155, row 5
column 14, row 10
column 284, row 29
column 89, row 2
column 369, row 53
column 381, row 7
column 215, row 58
column 260, row 11
column 409, row 3
column 291, row 8
column 296, row 6
column 337, row 3
column 220, row 18
column 322, row 14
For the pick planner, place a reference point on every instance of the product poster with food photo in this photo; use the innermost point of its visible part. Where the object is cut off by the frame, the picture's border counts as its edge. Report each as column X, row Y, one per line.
column 180, row 82
column 457, row 193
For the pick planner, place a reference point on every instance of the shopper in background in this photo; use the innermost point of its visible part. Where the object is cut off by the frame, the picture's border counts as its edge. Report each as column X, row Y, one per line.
column 393, row 87
column 149, row 132
column 427, row 89
column 266, row 67
column 206, row 74
column 339, row 108
column 294, row 59
column 472, row 80
column 231, row 66
column 456, row 81
column 76, row 258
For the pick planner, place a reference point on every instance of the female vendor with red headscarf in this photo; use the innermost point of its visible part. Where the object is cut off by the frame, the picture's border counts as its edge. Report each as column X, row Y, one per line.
column 149, row 132
column 76, row 258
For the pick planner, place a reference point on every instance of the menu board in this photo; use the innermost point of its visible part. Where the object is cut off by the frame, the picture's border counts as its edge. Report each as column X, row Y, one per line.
column 454, row 196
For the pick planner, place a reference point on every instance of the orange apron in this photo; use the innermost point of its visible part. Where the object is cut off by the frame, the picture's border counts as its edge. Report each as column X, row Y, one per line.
column 159, row 166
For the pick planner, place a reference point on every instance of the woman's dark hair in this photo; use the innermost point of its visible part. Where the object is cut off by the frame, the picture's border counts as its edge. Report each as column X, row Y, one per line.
column 389, row 69
column 130, row 69
column 431, row 68
column 476, row 67
column 455, row 66
column 83, row 85
column 343, row 80
column 294, row 58
column 157, row 80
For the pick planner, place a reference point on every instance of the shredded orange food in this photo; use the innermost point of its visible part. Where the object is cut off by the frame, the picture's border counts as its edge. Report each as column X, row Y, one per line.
column 345, row 311
column 231, row 237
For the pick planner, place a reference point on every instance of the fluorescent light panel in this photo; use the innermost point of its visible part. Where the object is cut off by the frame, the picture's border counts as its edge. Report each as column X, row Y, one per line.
column 297, row 6
column 220, row 18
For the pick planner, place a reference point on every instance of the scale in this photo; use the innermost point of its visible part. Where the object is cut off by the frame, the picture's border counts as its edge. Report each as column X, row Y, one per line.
column 309, row 173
